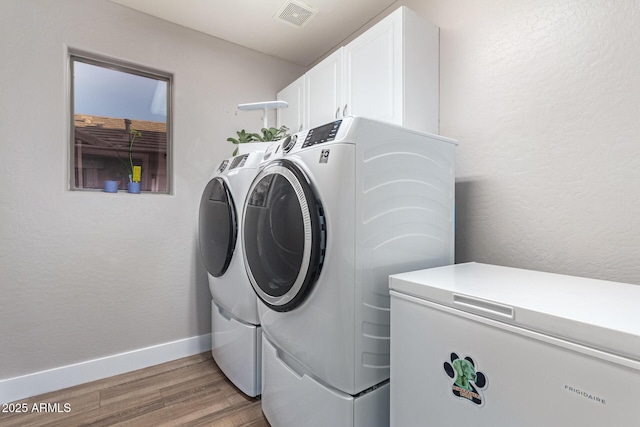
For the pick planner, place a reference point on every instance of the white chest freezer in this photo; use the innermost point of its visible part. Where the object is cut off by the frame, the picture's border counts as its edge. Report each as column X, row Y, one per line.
column 482, row 345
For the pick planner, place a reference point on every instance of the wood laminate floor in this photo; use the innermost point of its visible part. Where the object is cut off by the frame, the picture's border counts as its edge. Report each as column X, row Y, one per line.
column 186, row 392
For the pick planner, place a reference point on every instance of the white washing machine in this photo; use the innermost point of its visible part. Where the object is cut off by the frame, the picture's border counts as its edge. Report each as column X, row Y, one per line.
column 235, row 326
column 332, row 213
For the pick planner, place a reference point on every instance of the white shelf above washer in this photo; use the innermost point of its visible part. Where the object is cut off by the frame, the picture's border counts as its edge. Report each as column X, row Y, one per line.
column 265, row 105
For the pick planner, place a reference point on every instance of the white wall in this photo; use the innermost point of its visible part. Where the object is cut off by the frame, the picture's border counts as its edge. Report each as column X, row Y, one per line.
column 82, row 274
column 543, row 96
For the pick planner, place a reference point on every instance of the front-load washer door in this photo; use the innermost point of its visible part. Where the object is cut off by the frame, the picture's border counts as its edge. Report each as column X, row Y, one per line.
column 218, row 227
column 284, row 235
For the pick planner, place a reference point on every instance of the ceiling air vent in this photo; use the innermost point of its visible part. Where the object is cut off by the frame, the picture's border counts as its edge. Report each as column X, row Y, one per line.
column 295, row 13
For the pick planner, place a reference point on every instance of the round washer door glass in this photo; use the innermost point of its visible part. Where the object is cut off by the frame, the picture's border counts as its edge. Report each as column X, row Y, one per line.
column 284, row 236
column 217, row 227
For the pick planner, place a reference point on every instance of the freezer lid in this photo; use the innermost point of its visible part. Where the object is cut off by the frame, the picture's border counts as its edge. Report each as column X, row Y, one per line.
column 597, row 313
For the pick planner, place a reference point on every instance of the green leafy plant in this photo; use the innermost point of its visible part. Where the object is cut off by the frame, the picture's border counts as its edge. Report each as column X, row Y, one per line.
column 270, row 134
column 274, row 134
column 243, row 137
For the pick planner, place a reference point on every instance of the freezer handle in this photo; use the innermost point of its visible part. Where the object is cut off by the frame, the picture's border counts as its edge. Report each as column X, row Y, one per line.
column 484, row 306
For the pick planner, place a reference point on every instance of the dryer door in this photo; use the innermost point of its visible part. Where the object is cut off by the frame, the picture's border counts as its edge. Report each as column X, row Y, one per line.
column 217, row 226
column 284, row 235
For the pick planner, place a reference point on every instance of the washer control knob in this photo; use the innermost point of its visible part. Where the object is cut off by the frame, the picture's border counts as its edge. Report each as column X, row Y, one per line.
column 289, row 143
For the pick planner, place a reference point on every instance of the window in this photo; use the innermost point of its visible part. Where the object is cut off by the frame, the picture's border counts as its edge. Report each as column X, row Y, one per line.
column 120, row 126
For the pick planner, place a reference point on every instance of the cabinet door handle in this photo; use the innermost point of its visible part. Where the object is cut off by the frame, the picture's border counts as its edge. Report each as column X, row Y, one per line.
column 344, row 110
column 485, row 306
column 300, row 128
column 337, row 111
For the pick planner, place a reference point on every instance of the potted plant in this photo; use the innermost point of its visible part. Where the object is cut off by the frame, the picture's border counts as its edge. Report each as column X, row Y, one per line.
column 133, row 171
column 273, row 134
column 243, row 137
column 268, row 134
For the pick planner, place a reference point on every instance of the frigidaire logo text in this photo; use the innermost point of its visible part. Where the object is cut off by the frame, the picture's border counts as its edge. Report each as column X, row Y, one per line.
column 585, row 394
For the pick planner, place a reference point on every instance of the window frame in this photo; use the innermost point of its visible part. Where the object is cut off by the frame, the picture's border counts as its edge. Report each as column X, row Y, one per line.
column 74, row 56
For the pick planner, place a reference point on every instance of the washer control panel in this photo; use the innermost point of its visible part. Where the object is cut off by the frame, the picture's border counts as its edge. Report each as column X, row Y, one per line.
column 322, row 134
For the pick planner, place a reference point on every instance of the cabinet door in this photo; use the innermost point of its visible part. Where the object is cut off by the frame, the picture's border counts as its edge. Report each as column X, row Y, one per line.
column 292, row 116
column 374, row 72
column 324, row 90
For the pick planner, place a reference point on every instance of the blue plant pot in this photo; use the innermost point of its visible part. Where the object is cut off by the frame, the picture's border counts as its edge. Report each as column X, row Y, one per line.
column 111, row 186
column 133, row 187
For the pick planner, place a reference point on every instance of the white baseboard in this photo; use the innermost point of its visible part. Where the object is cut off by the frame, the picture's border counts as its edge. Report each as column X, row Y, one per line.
column 17, row 388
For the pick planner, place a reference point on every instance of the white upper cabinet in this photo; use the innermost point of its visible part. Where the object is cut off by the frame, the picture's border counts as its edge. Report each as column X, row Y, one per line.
column 373, row 72
column 323, row 90
column 292, row 116
column 390, row 73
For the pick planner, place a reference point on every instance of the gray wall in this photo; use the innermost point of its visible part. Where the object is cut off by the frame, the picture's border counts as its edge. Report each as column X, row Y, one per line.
column 543, row 96
column 86, row 275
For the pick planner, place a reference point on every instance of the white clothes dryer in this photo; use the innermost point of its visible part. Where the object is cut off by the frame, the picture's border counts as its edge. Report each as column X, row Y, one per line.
column 235, row 326
column 332, row 213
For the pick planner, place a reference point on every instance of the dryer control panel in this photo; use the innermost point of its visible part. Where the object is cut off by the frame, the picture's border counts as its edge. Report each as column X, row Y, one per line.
column 322, row 134
column 238, row 161
column 223, row 165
